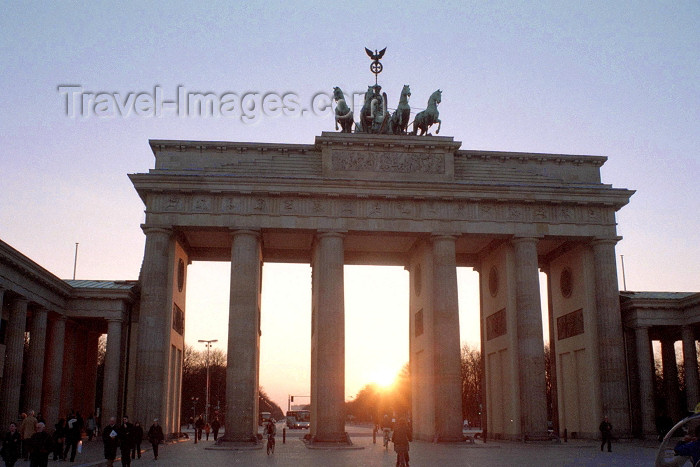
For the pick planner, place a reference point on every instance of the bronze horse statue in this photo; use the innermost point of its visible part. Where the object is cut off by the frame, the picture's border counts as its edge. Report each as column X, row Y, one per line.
column 398, row 125
column 343, row 114
column 429, row 116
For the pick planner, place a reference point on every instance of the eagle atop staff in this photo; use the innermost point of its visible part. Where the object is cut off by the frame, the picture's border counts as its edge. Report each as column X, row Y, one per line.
column 376, row 56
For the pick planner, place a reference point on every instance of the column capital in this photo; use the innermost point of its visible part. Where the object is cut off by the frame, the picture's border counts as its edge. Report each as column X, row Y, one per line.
column 252, row 232
column 114, row 320
column 164, row 229
column 605, row 241
column 20, row 300
column 525, row 239
column 331, row 233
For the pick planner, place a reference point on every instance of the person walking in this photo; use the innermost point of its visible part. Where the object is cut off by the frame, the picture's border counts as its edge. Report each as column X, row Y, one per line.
column 73, row 434
column 215, row 426
column 11, row 446
column 41, row 445
column 138, row 437
column 59, row 438
column 110, row 441
column 606, row 432
column 26, row 430
column 91, row 426
column 198, row 427
column 155, row 436
column 125, row 433
column 207, row 429
column 401, row 437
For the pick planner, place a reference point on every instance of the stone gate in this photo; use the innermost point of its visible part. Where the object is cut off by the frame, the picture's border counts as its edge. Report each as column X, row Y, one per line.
column 419, row 202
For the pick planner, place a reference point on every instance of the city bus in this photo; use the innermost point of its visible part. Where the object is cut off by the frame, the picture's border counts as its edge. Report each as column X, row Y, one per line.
column 298, row 419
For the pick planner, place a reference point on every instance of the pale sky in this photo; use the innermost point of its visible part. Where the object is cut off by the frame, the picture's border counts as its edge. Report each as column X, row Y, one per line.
column 618, row 79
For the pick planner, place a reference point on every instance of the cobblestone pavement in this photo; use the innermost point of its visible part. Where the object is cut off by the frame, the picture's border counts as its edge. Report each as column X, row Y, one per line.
column 295, row 453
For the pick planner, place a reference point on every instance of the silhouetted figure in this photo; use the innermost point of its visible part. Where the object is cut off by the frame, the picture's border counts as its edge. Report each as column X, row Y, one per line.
column 110, row 441
column 125, row 434
column 215, row 426
column 606, row 432
column 155, row 436
column 41, row 445
column 401, row 437
column 11, row 445
column 138, row 437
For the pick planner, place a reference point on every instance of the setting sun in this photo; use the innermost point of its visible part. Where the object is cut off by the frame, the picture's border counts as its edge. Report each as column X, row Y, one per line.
column 384, row 377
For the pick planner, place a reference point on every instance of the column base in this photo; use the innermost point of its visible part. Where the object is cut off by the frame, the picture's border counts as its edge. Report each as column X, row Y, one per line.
column 329, row 441
column 237, row 444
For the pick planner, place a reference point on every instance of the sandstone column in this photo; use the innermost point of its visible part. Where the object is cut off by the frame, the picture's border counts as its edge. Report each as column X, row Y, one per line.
column 645, row 363
column 448, row 380
column 328, row 339
column 54, row 368
column 613, row 378
column 690, row 365
column 69, row 349
column 90, row 385
column 530, row 347
column 243, row 338
column 14, row 351
column 670, row 371
column 154, row 329
column 110, row 384
column 35, row 359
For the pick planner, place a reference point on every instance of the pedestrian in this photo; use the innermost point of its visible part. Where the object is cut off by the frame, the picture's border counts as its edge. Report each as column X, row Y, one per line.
column 59, row 438
column 91, row 426
column 401, row 437
column 198, row 427
column 215, row 426
column 11, row 446
column 606, row 432
column 138, row 437
column 207, row 429
column 126, row 439
column 155, row 436
column 73, row 434
column 41, row 445
column 110, row 441
column 26, row 430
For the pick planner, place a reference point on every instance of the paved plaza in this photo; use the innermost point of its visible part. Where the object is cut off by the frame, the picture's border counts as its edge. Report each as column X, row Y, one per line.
column 294, row 453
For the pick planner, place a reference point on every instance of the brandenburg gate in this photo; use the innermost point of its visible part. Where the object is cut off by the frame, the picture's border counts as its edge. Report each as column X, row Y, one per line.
column 420, row 202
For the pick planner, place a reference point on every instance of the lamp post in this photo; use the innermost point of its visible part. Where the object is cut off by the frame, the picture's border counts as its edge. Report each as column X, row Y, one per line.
column 194, row 407
column 208, row 344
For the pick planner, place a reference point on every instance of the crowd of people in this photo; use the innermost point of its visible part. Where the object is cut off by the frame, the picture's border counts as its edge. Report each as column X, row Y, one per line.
column 32, row 441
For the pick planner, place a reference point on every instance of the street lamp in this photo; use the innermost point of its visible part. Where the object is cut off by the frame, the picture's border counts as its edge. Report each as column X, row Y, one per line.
column 207, row 343
column 194, row 407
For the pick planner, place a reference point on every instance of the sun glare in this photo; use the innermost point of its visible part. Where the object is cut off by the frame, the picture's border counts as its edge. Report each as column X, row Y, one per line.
column 384, row 377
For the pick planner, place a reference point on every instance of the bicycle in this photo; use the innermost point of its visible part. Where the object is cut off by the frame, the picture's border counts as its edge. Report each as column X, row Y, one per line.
column 270, row 444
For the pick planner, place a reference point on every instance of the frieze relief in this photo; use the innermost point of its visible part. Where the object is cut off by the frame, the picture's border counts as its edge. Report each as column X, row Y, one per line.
column 457, row 210
column 391, row 162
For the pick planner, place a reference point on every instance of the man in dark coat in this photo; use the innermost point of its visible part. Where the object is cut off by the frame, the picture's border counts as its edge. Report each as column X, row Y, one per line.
column 11, row 446
column 215, row 426
column 401, row 437
column 155, row 436
column 72, row 435
column 198, row 427
column 40, row 445
column 126, row 440
column 110, row 440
